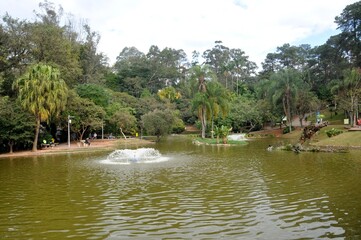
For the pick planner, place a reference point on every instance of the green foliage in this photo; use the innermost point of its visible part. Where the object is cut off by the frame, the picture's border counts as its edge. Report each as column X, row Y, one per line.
column 86, row 115
column 96, row 93
column 333, row 132
column 169, row 93
column 158, row 122
column 178, row 126
column 283, row 90
column 291, row 78
column 244, row 114
column 287, row 129
column 349, row 21
column 91, row 62
column 42, row 92
column 349, row 91
column 125, row 121
column 222, row 132
column 17, row 125
column 50, row 44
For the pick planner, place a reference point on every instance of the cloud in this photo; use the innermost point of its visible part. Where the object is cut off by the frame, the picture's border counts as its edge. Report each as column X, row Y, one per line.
column 257, row 27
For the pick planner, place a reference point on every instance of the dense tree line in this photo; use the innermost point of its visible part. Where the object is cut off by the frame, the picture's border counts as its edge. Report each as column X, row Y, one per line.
column 51, row 71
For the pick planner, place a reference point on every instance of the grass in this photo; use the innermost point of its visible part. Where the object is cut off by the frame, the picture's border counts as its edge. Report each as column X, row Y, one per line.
column 345, row 139
column 320, row 139
column 213, row 141
column 331, row 117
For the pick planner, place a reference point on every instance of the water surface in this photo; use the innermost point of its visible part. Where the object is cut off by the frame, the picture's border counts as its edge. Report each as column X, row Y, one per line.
column 199, row 192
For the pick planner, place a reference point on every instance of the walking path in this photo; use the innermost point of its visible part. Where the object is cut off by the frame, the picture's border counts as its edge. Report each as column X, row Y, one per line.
column 95, row 145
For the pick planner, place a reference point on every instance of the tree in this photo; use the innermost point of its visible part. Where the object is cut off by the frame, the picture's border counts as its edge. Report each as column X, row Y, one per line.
column 16, row 125
column 218, row 58
column 165, row 67
column 325, row 66
column 305, row 102
column 132, row 70
column 284, row 85
column 86, row 114
column 348, row 90
column 200, row 101
column 244, row 113
column 95, row 93
column 169, row 93
column 349, row 22
column 218, row 101
column 43, row 93
column 92, row 63
column 14, row 50
column 286, row 56
column 124, row 121
column 50, row 43
column 241, row 68
column 224, row 132
column 158, row 122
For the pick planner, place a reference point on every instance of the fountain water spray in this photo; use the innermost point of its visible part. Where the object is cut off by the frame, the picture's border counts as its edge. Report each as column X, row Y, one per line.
column 140, row 155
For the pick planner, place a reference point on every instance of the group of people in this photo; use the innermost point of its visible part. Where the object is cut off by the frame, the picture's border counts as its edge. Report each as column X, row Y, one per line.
column 87, row 140
column 94, row 136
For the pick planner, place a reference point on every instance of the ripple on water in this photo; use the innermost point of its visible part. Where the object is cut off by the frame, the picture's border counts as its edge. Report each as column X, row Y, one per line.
column 219, row 194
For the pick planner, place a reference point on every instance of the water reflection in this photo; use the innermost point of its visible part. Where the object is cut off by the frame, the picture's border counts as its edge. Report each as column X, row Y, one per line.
column 202, row 192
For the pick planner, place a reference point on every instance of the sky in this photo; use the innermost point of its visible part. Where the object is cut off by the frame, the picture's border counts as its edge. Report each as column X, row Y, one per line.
column 257, row 27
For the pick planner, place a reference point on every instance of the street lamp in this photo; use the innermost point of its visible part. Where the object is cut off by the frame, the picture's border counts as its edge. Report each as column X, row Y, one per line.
column 69, row 122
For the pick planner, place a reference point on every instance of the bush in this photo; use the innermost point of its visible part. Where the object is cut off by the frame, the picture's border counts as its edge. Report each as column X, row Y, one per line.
column 287, row 129
column 333, row 132
column 178, row 126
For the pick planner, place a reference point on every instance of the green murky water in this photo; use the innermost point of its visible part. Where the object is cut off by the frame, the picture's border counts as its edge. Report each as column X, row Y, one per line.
column 195, row 192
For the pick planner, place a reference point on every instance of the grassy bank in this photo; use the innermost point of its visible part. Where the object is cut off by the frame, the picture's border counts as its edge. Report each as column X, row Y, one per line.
column 213, row 141
column 345, row 139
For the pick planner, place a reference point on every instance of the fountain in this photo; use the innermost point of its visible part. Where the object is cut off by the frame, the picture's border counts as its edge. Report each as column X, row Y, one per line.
column 237, row 137
column 140, row 155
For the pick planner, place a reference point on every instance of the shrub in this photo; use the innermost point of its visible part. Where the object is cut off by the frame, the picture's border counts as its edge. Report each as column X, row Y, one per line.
column 287, row 129
column 333, row 132
column 178, row 126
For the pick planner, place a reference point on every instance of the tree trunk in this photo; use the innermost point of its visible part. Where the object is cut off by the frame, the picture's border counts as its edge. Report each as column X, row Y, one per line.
column 204, row 121
column 11, row 144
column 301, row 117
column 289, row 109
column 121, row 131
column 35, row 143
column 352, row 115
column 355, row 112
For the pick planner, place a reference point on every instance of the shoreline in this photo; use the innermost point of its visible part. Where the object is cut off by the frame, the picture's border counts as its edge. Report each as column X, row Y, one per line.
column 75, row 147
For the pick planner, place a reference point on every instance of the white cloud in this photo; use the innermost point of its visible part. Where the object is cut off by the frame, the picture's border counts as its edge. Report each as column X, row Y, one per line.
column 255, row 26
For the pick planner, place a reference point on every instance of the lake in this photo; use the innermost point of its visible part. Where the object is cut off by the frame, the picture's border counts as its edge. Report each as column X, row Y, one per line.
column 188, row 192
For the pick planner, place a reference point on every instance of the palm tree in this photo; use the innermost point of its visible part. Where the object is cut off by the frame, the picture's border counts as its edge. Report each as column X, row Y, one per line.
column 200, row 101
column 43, row 93
column 202, row 74
column 348, row 91
column 285, row 84
column 218, row 101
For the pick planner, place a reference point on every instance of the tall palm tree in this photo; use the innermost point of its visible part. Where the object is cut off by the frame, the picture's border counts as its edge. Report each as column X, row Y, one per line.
column 218, row 101
column 285, row 84
column 202, row 74
column 200, row 101
column 348, row 91
column 43, row 93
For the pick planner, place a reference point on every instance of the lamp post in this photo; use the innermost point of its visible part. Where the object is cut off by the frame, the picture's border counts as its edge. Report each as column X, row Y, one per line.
column 69, row 122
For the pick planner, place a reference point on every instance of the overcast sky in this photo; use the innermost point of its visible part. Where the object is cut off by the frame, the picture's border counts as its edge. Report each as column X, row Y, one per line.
column 257, row 27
